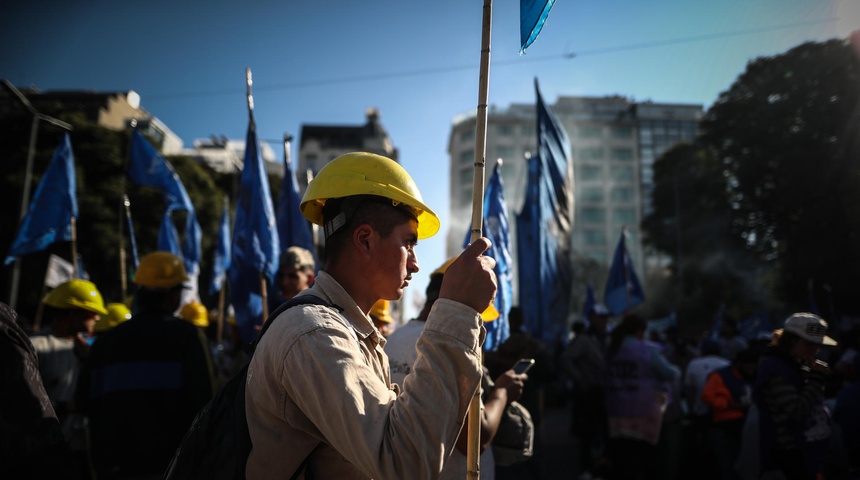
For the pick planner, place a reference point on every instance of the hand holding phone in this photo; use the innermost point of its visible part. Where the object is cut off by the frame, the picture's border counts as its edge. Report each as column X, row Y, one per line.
column 523, row 365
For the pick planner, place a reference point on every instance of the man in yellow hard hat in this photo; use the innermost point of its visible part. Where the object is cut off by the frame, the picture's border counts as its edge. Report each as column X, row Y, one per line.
column 72, row 310
column 146, row 378
column 117, row 313
column 380, row 315
column 319, row 400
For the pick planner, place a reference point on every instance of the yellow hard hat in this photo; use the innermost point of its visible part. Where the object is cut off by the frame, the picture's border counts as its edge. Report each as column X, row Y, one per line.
column 487, row 315
column 196, row 313
column 76, row 294
column 160, row 270
column 362, row 173
column 381, row 310
column 117, row 313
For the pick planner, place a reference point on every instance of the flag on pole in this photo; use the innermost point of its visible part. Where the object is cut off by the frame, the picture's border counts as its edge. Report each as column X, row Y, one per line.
column 543, row 231
column 533, row 15
column 147, row 167
column 623, row 290
column 256, row 245
column 588, row 305
column 496, row 228
column 221, row 262
column 59, row 271
column 293, row 228
column 52, row 208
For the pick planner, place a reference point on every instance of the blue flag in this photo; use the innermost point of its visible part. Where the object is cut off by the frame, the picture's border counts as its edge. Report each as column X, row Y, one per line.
column 147, row 167
column 590, row 302
column 623, row 290
column 48, row 218
column 221, row 262
column 255, row 240
column 533, row 14
column 497, row 230
column 544, row 230
column 293, row 228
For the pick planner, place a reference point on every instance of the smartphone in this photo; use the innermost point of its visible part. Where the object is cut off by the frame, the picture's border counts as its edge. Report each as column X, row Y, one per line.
column 523, row 365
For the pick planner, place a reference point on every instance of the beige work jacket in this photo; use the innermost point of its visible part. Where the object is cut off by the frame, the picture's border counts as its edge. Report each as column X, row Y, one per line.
column 318, row 386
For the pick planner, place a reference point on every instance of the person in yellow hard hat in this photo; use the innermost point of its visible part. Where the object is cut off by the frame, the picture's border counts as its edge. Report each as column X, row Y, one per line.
column 381, row 317
column 196, row 313
column 325, row 366
column 117, row 313
column 146, row 378
column 72, row 310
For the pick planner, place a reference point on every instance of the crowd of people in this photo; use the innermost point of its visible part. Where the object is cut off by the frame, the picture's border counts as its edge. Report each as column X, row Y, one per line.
column 334, row 390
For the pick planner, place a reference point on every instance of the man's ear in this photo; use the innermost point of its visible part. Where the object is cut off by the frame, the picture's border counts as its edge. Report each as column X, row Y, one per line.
column 362, row 238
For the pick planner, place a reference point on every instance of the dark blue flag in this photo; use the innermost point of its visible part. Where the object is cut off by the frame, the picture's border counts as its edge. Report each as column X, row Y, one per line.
column 293, row 228
column 623, row 290
column 533, row 14
column 255, row 240
column 544, row 229
column 147, row 167
column 221, row 262
column 589, row 304
column 48, row 218
column 497, row 230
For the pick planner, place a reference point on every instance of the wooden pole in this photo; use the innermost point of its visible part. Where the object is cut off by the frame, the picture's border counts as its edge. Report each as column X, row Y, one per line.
column 73, row 225
column 473, row 451
column 123, row 280
column 219, row 335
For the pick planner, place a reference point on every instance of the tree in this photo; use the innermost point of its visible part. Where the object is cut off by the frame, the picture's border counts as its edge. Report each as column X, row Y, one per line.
column 786, row 134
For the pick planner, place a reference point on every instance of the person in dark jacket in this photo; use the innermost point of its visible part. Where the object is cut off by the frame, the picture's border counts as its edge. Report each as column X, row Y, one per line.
column 146, row 379
column 794, row 425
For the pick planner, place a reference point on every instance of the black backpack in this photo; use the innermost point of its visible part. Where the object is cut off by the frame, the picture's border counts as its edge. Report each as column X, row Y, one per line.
column 218, row 443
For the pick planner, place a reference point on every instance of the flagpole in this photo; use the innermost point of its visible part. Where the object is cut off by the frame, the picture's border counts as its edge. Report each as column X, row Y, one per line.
column 219, row 335
column 73, row 226
column 473, row 451
column 248, row 82
column 625, row 261
column 123, row 281
column 315, row 231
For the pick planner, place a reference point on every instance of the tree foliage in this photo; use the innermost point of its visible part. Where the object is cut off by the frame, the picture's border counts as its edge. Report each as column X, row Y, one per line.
column 770, row 188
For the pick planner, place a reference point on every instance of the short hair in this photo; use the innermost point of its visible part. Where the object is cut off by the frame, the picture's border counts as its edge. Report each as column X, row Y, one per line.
column 298, row 258
column 378, row 212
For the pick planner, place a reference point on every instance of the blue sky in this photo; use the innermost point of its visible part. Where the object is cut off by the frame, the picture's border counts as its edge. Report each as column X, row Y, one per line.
column 326, row 62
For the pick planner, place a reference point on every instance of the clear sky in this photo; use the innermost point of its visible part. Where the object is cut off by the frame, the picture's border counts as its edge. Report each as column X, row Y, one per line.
column 326, row 62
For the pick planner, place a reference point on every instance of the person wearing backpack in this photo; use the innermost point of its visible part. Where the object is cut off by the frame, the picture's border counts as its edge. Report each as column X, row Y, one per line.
column 319, row 400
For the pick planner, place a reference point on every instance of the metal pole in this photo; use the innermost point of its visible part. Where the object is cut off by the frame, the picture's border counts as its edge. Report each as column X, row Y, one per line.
column 25, row 199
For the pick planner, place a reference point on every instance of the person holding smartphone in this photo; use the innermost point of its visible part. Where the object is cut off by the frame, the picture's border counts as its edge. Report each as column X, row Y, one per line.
column 794, row 424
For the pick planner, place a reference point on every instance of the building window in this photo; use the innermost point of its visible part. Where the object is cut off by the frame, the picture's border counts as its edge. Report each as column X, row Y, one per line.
column 505, row 130
column 621, row 132
column 594, row 237
column 590, row 132
column 593, row 215
column 591, row 153
column 624, row 154
column 528, row 130
column 597, row 255
column 591, row 194
column 591, row 172
column 506, row 153
column 623, row 173
column 622, row 195
column 467, row 135
column 623, row 216
column 467, row 157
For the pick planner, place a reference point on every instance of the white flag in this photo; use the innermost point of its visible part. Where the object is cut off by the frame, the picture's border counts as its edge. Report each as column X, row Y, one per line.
column 58, row 271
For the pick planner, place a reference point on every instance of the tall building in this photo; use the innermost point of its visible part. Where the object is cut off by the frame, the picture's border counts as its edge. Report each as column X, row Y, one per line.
column 614, row 143
column 225, row 155
column 321, row 144
column 113, row 110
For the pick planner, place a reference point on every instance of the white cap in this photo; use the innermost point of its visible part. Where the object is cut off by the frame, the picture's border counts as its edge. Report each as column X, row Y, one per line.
column 809, row 327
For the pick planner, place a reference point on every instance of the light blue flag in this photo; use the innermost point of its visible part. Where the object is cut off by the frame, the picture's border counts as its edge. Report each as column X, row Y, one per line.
column 168, row 237
column 293, row 228
column 544, row 229
column 533, row 14
column 48, row 218
column 497, row 230
column 221, row 262
column 255, row 240
column 623, row 290
column 147, row 167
